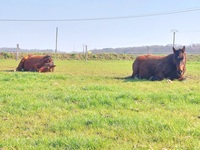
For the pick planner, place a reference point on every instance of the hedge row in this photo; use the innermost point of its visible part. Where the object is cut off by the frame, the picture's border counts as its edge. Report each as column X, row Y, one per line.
column 103, row 56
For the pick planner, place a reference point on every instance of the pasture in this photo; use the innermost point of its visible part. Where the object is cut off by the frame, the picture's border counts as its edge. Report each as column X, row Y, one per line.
column 91, row 105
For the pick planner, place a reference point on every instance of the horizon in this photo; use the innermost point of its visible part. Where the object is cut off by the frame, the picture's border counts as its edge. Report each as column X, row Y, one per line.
column 98, row 24
column 102, row 49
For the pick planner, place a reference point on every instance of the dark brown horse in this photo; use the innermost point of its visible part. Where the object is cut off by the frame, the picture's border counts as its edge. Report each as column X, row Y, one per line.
column 36, row 63
column 153, row 68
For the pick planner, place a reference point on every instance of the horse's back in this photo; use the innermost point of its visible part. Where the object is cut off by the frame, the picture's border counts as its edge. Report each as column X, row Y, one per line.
column 31, row 61
column 144, row 66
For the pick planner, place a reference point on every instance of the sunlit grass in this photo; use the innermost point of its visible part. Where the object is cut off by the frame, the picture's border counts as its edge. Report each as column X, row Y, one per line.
column 91, row 105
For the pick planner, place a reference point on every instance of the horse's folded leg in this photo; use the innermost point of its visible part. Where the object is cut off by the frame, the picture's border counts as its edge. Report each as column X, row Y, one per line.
column 137, row 76
column 182, row 78
column 153, row 78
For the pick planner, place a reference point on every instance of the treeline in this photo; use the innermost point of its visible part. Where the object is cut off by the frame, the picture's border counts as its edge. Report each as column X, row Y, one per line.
column 154, row 49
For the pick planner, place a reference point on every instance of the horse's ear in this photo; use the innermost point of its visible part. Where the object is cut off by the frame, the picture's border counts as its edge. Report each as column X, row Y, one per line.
column 174, row 49
column 183, row 49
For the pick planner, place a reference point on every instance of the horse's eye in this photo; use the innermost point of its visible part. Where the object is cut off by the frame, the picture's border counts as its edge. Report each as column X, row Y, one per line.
column 180, row 58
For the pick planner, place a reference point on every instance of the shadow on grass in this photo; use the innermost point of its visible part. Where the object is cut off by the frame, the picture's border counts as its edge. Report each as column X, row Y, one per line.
column 130, row 79
column 7, row 70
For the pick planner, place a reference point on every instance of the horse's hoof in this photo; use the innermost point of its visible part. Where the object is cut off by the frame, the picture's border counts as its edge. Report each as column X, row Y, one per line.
column 169, row 81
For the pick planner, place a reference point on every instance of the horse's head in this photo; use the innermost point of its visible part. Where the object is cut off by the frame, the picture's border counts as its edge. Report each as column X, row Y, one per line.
column 47, row 68
column 180, row 60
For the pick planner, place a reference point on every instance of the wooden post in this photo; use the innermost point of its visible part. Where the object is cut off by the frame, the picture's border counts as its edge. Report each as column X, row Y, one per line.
column 17, row 53
column 147, row 49
column 174, row 34
column 56, row 39
column 86, row 53
column 83, row 48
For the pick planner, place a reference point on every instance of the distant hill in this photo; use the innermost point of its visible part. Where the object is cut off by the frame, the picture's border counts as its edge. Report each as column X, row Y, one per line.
column 6, row 49
column 154, row 49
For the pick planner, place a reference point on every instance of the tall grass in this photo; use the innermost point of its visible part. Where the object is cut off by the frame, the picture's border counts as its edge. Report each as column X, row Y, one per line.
column 91, row 105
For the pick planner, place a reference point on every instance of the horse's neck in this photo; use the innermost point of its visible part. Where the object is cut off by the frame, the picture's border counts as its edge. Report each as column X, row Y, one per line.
column 170, row 59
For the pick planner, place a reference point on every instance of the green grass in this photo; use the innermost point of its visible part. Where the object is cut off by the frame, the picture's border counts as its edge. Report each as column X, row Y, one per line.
column 90, row 105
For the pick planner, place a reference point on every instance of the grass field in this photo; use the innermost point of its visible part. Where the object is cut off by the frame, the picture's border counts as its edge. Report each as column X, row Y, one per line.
column 90, row 105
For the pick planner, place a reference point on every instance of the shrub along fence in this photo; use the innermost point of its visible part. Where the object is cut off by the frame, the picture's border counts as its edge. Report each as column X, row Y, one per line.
column 80, row 56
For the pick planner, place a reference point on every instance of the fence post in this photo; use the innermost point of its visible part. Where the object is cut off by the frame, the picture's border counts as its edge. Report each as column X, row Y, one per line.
column 86, row 53
column 17, row 53
column 56, row 49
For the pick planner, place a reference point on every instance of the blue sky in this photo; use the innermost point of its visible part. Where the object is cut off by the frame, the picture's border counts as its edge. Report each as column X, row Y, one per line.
column 136, row 31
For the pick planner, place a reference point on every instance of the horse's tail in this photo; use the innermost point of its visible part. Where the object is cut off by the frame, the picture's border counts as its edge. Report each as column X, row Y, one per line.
column 21, row 64
column 135, row 68
column 128, row 77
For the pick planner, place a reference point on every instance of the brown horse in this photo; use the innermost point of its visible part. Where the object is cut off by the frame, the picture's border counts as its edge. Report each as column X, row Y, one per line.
column 153, row 68
column 36, row 63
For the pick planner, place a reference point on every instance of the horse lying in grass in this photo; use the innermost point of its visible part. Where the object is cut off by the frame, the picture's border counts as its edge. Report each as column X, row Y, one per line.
column 154, row 68
column 36, row 63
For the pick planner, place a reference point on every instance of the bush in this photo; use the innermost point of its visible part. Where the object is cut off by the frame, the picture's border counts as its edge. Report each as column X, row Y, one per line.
column 6, row 55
